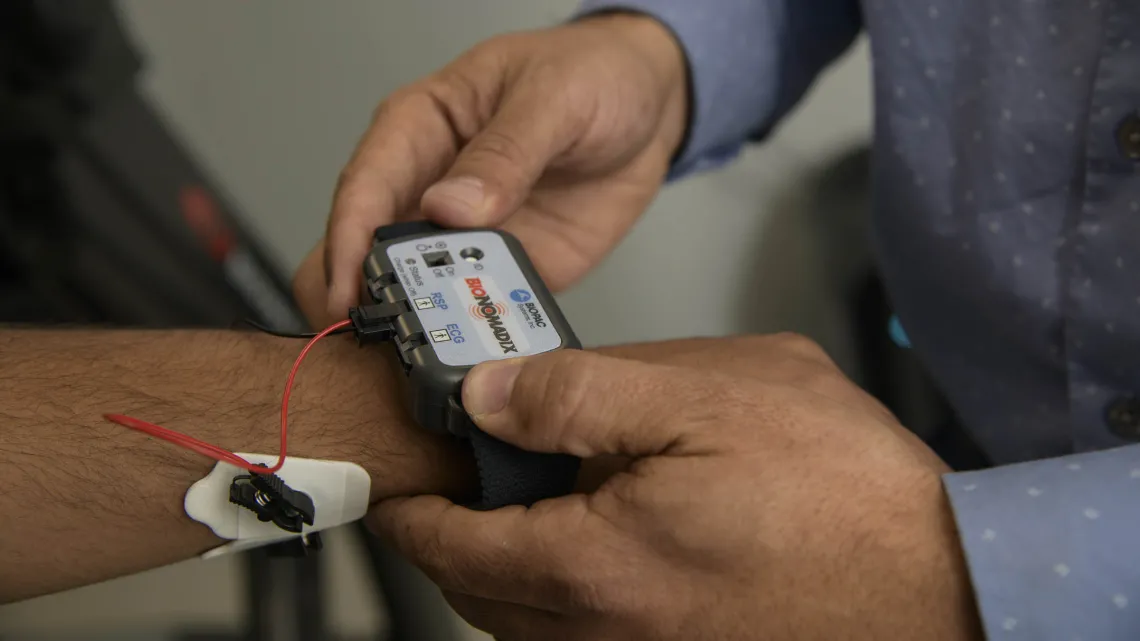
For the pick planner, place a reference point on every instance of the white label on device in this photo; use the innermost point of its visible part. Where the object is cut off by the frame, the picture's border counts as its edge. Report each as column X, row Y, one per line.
column 465, row 284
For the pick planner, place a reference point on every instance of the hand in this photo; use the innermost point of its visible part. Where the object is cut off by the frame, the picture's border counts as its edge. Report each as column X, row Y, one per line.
column 561, row 136
column 786, row 504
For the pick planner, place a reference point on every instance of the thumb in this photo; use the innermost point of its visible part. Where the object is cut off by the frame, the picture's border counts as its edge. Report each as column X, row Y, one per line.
column 582, row 403
column 494, row 173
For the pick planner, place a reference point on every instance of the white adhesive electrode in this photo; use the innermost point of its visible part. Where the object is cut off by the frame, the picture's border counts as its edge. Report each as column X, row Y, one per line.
column 339, row 491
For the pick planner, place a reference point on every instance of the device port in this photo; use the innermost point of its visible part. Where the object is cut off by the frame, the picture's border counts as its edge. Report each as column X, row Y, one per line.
column 471, row 254
column 438, row 259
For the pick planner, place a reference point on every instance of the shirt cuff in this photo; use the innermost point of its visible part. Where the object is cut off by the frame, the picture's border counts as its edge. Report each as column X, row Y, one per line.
column 1053, row 546
column 730, row 50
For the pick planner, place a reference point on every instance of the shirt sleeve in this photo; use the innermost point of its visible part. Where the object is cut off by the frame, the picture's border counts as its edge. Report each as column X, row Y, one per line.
column 750, row 62
column 1053, row 546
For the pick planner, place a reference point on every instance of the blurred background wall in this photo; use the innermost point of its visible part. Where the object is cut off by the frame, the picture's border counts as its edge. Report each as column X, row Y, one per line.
column 271, row 95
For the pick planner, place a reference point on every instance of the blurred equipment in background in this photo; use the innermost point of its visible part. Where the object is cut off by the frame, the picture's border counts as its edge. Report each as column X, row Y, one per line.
column 105, row 220
column 103, row 217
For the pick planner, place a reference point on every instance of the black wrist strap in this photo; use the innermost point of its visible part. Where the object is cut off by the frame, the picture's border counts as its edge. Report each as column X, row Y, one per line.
column 512, row 476
column 508, row 475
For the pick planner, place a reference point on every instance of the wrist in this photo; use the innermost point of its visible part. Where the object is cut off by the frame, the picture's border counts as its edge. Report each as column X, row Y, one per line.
column 347, row 406
column 658, row 47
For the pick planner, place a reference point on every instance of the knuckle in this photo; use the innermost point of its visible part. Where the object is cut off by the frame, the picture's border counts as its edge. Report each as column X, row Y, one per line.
column 404, row 98
column 431, row 556
column 556, row 529
column 490, row 58
column 410, row 109
column 497, row 147
column 385, row 108
column 493, row 48
column 345, row 181
column 398, row 116
column 573, row 584
column 566, row 384
column 363, row 193
column 505, row 52
column 427, row 551
column 350, row 194
column 802, row 346
column 465, row 100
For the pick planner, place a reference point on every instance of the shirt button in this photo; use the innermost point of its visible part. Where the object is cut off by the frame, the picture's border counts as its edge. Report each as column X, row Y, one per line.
column 1128, row 137
column 1123, row 416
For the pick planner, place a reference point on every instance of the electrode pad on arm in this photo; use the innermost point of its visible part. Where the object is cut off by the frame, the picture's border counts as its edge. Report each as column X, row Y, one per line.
column 328, row 493
column 449, row 300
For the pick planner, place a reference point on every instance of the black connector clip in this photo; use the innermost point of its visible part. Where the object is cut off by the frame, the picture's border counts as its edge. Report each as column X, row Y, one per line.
column 374, row 323
column 272, row 500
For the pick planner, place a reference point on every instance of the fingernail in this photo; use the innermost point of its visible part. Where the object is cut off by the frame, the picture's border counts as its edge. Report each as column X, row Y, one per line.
column 457, row 197
column 487, row 389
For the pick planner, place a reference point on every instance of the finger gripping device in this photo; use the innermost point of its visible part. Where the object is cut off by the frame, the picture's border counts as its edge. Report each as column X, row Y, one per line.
column 449, row 300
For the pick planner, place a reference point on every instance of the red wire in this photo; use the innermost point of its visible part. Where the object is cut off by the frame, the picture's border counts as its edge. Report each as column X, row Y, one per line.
column 216, row 452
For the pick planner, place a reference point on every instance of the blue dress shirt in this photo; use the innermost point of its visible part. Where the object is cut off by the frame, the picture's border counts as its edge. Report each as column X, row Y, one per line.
column 1007, row 225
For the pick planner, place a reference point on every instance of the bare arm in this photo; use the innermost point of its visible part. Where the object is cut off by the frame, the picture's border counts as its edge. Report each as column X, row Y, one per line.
column 83, row 500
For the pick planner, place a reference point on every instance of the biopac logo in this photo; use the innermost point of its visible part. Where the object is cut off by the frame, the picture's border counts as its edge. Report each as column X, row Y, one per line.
column 491, row 312
column 523, row 298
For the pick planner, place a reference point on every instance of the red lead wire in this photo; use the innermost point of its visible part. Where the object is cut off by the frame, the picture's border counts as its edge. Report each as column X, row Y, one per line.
column 216, row 452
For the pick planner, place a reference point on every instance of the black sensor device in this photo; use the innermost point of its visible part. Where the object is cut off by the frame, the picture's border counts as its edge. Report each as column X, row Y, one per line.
column 449, row 300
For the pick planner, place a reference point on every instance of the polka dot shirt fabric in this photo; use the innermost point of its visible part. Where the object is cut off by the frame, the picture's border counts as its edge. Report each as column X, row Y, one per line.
column 1007, row 225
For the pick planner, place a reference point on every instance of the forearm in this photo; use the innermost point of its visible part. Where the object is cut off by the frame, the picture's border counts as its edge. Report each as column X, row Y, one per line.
column 85, row 500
